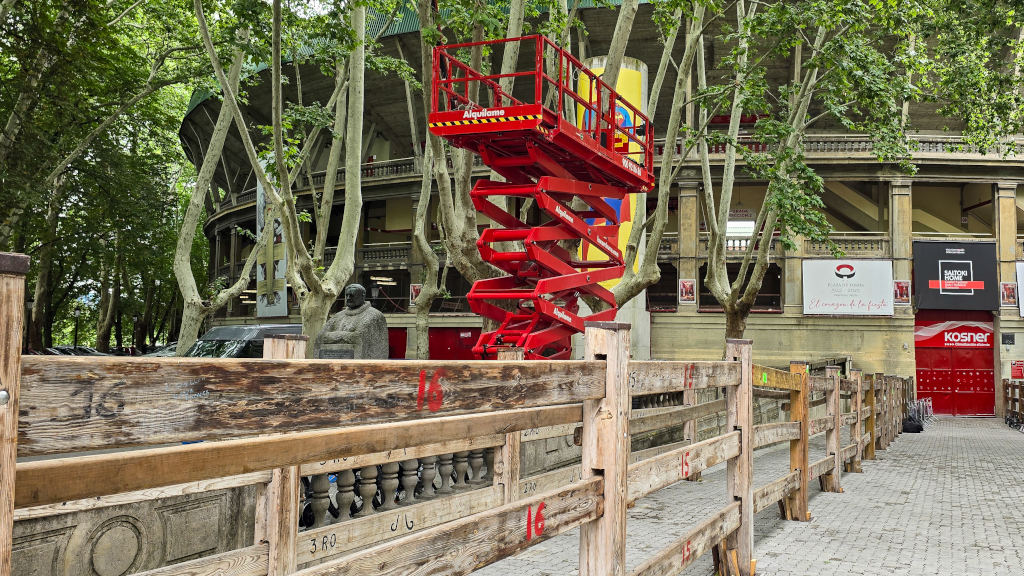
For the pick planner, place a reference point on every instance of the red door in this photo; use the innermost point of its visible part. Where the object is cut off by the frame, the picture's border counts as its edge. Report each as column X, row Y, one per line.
column 453, row 343
column 954, row 352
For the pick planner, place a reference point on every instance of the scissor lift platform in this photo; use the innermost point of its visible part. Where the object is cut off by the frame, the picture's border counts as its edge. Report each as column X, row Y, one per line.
column 564, row 150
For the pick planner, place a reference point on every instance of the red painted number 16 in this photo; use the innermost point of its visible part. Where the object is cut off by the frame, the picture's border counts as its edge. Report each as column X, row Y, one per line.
column 534, row 525
column 434, row 395
column 687, row 550
column 686, row 464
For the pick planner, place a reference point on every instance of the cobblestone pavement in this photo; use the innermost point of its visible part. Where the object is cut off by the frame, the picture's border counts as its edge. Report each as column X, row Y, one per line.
column 949, row 501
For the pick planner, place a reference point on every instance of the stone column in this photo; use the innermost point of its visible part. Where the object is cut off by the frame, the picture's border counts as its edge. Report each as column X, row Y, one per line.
column 793, row 277
column 689, row 230
column 1005, row 228
column 901, row 234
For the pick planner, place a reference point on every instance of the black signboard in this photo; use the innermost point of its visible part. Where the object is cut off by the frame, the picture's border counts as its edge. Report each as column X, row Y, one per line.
column 956, row 275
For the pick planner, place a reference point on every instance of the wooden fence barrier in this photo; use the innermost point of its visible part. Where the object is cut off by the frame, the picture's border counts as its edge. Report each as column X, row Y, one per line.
column 1013, row 391
column 271, row 423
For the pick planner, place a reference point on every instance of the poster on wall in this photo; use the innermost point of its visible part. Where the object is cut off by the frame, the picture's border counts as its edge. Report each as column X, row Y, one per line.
column 901, row 292
column 414, row 293
column 1017, row 369
column 1008, row 294
column 848, row 287
column 956, row 275
column 687, row 291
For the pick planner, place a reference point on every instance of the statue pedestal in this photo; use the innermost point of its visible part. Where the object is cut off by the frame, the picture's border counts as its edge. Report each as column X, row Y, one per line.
column 337, row 352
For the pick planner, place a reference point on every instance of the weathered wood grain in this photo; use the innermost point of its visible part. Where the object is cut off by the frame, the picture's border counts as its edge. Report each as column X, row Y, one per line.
column 819, row 425
column 535, row 434
column 336, row 539
column 773, row 378
column 251, row 561
column 822, row 466
column 678, row 555
column 848, row 385
column 821, row 384
column 795, row 507
column 398, row 455
column 658, row 376
column 605, row 451
column 655, row 473
column 833, row 480
column 12, row 302
column 675, row 416
column 865, row 412
column 847, row 418
column 60, row 479
column 739, row 473
column 549, row 480
column 141, row 496
column 767, row 434
column 847, row 451
column 460, row 547
column 772, row 492
column 78, row 403
column 773, row 394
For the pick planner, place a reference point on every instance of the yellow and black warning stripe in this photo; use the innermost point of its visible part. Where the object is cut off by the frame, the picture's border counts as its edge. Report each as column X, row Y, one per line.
column 490, row 120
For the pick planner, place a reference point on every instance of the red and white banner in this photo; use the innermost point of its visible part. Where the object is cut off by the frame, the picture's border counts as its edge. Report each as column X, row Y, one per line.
column 954, row 334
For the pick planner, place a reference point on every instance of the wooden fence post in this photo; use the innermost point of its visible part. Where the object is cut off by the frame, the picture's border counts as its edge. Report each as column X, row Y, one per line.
column 13, row 268
column 739, row 471
column 869, row 448
column 796, row 503
column 880, row 389
column 831, row 481
column 279, row 505
column 606, row 451
column 507, row 460
column 856, row 429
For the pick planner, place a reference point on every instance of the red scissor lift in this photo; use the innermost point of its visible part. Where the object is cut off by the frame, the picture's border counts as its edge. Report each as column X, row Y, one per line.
column 564, row 150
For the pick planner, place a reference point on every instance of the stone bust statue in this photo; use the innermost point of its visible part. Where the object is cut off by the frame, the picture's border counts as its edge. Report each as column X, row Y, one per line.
column 359, row 331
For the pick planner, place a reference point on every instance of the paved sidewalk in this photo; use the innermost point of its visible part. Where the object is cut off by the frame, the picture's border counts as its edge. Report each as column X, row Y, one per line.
column 949, row 501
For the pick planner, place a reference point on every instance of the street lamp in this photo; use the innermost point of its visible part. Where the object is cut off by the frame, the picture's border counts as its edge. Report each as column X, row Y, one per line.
column 77, row 313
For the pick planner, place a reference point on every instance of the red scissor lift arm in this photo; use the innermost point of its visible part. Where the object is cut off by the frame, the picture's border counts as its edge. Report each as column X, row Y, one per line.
column 561, row 149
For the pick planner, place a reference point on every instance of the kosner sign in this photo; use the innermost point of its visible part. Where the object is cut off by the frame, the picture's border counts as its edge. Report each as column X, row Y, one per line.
column 848, row 287
column 954, row 334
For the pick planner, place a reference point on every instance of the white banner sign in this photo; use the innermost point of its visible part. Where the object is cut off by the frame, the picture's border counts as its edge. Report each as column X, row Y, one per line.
column 848, row 287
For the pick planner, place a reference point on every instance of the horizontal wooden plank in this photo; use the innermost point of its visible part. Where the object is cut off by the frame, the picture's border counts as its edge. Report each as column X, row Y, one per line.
column 772, row 492
column 772, row 394
column 821, row 384
column 397, row 455
column 817, row 402
column 534, row 434
column 470, row 543
column 658, row 376
column 774, row 378
column 822, row 466
column 847, row 418
column 60, row 479
column 678, row 555
column 676, row 416
column 767, row 434
column 819, row 425
column 655, row 473
column 847, row 452
column 865, row 412
column 251, row 561
column 73, row 404
column 141, row 496
column 549, row 481
column 847, row 385
column 337, row 539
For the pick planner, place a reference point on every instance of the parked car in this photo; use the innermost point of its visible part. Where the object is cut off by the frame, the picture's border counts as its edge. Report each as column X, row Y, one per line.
column 164, row 351
column 80, row 351
column 242, row 341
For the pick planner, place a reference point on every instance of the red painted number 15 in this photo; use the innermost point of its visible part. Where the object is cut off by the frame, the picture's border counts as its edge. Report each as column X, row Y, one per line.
column 686, row 464
column 434, row 395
